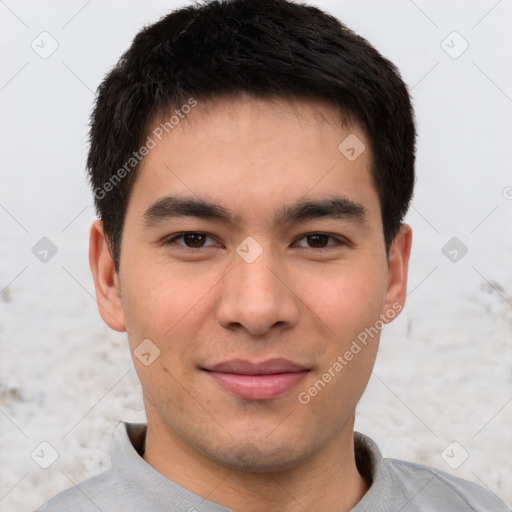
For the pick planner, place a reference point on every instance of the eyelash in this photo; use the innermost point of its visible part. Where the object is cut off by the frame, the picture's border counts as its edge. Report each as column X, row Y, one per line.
column 339, row 241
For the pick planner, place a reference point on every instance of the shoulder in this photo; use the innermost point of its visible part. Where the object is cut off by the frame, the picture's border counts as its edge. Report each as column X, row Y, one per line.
column 108, row 490
column 427, row 486
column 89, row 496
column 410, row 487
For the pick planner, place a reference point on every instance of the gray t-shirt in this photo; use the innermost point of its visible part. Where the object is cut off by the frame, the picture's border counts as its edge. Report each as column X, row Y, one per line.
column 132, row 485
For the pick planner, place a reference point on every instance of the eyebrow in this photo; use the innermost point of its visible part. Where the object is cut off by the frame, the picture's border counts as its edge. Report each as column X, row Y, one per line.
column 169, row 207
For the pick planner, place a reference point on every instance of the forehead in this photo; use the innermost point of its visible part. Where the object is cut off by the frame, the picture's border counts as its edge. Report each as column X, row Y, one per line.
column 230, row 119
column 255, row 154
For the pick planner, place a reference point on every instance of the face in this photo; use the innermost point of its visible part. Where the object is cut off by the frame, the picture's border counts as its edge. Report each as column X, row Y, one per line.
column 253, row 259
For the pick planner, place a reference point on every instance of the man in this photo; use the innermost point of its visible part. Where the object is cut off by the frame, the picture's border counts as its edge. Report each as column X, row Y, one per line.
column 252, row 163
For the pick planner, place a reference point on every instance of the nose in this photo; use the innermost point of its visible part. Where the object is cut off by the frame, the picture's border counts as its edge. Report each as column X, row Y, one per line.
column 258, row 296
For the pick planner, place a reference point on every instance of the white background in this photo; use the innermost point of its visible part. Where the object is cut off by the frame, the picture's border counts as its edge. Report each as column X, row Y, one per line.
column 444, row 368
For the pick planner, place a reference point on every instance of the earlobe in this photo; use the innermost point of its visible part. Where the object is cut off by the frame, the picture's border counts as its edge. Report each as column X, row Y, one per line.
column 398, row 265
column 106, row 281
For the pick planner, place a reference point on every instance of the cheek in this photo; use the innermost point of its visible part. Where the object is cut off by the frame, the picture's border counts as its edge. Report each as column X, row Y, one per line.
column 151, row 306
column 163, row 304
column 351, row 308
column 163, row 307
column 347, row 300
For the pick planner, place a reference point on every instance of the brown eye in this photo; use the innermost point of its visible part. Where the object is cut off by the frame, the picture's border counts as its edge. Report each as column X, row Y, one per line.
column 190, row 239
column 320, row 241
column 194, row 239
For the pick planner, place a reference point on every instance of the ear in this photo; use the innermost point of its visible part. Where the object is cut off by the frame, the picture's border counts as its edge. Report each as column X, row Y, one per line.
column 398, row 266
column 106, row 280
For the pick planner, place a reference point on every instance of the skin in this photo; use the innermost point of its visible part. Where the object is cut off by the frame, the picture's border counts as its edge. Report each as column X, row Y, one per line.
column 301, row 299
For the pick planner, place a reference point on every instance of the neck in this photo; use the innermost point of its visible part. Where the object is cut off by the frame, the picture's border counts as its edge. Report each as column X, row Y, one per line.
column 328, row 481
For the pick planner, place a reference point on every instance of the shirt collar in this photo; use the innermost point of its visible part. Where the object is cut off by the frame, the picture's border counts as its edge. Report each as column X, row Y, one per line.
column 129, row 466
column 131, row 469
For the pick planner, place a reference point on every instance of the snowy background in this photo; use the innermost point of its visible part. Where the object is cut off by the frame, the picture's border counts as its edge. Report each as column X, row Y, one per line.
column 444, row 370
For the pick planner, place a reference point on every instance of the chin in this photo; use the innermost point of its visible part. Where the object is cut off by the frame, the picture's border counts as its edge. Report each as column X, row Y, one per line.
column 260, row 456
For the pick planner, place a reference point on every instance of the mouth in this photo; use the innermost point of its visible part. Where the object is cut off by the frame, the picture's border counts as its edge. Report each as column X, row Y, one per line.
column 257, row 381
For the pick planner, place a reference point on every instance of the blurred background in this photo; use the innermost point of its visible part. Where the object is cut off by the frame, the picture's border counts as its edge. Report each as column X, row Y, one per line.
column 441, row 390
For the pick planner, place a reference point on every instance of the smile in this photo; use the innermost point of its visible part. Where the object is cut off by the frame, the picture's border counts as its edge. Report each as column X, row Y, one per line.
column 257, row 381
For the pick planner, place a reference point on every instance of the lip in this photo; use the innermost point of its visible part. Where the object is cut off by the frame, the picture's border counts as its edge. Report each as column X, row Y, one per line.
column 257, row 381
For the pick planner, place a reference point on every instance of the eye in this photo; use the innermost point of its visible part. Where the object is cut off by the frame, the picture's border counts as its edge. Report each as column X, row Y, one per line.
column 321, row 240
column 191, row 240
column 197, row 240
